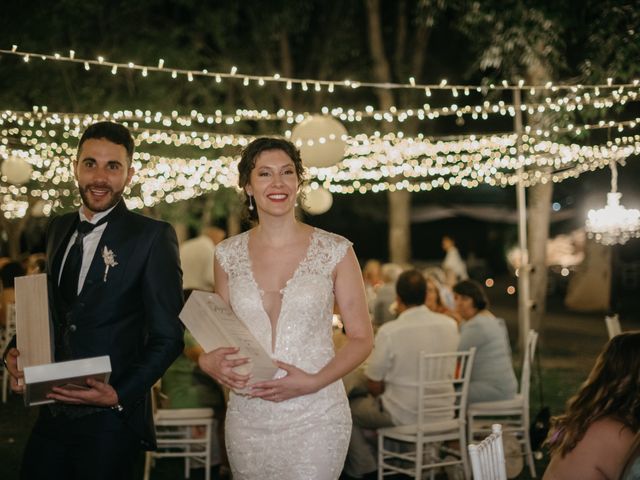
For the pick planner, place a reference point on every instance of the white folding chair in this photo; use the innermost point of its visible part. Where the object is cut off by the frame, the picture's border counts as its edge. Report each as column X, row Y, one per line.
column 514, row 413
column 443, row 387
column 487, row 457
column 174, row 435
column 613, row 325
column 5, row 337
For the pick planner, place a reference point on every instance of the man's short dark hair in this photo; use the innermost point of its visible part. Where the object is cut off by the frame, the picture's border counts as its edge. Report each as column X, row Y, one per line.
column 473, row 290
column 114, row 132
column 411, row 287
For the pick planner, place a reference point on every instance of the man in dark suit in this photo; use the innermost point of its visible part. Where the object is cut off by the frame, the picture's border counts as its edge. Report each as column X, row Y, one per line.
column 115, row 288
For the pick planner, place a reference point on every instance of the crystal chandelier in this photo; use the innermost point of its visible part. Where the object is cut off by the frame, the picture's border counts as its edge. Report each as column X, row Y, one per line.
column 613, row 224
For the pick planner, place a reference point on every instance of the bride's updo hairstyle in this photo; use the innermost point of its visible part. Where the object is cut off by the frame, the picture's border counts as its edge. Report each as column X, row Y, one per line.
column 248, row 162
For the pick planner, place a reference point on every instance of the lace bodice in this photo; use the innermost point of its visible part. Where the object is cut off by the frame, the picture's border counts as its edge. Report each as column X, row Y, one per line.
column 307, row 299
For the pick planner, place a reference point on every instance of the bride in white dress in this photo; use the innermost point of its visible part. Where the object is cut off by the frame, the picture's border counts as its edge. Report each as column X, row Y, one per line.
column 282, row 279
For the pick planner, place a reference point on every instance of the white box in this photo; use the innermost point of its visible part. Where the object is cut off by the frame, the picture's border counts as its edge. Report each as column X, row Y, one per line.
column 40, row 379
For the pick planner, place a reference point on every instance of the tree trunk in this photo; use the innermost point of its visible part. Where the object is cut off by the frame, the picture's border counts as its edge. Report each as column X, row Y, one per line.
column 400, row 226
column 538, row 225
column 399, row 201
column 540, row 196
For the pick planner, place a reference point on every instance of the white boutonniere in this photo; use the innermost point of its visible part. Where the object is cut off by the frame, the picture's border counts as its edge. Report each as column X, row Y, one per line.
column 109, row 261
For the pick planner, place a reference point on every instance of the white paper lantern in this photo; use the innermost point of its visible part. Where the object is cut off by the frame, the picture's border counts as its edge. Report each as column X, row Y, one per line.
column 320, row 140
column 17, row 170
column 317, row 201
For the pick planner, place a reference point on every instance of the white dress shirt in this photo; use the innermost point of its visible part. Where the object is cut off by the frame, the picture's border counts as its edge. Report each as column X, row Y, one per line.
column 89, row 245
column 196, row 259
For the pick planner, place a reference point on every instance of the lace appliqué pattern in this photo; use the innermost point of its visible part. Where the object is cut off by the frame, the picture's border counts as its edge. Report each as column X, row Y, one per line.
column 305, row 437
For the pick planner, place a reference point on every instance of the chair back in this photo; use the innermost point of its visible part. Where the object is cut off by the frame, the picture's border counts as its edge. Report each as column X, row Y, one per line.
column 487, row 458
column 443, row 385
column 613, row 325
column 527, row 361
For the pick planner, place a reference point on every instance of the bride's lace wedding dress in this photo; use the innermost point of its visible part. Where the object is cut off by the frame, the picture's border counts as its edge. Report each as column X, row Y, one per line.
column 305, row 437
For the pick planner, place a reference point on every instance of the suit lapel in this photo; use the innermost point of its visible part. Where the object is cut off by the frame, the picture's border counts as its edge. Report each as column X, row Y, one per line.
column 68, row 225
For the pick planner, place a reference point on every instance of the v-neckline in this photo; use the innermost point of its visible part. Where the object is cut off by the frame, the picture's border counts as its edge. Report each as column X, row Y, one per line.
column 273, row 329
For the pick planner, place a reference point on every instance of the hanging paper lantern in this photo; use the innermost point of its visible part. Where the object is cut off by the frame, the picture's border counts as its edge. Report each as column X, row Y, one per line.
column 317, row 201
column 17, row 170
column 320, row 140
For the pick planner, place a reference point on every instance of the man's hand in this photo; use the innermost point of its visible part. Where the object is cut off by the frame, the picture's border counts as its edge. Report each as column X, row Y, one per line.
column 12, row 366
column 98, row 394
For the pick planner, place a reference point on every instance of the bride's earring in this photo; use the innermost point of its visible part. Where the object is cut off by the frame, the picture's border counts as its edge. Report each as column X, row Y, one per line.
column 251, row 202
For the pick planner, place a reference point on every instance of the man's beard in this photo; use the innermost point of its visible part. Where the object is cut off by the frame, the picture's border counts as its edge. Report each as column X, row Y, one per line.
column 87, row 202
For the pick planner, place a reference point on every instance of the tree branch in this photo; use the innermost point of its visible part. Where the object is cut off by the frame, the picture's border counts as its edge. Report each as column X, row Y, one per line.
column 401, row 36
column 286, row 62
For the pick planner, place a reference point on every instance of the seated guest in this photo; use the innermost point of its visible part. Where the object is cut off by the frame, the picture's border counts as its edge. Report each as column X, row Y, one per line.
column 444, row 291
column 392, row 370
column 592, row 439
column 372, row 277
column 386, row 294
column 492, row 376
column 434, row 301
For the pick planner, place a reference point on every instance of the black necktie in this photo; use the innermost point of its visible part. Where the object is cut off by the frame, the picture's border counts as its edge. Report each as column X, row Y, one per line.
column 71, row 269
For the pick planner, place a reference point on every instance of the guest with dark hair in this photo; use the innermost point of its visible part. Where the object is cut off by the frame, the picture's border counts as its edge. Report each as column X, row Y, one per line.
column 599, row 428
column 492, row 377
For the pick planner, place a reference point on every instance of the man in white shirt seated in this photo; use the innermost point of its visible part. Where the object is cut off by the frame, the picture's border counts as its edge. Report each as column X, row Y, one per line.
column 392, row 370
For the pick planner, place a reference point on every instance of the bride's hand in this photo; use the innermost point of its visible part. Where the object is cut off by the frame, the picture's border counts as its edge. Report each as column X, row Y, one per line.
column 296, row 383
column 217, row 365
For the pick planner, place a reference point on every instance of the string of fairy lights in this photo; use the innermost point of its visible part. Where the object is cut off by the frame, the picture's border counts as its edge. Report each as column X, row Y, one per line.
column 373, row 162
column 351, row 115
column 394, row 163
column 30, row 131
column 305, row 84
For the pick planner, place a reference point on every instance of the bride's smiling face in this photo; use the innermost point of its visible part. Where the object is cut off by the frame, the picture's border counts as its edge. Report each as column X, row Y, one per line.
column 273, row 183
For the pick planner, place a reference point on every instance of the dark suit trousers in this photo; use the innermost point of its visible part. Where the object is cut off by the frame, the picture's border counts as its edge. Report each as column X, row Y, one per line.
column 94, row 447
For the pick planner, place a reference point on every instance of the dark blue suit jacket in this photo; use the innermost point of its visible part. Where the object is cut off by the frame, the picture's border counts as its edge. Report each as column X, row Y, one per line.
column 132, row 314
